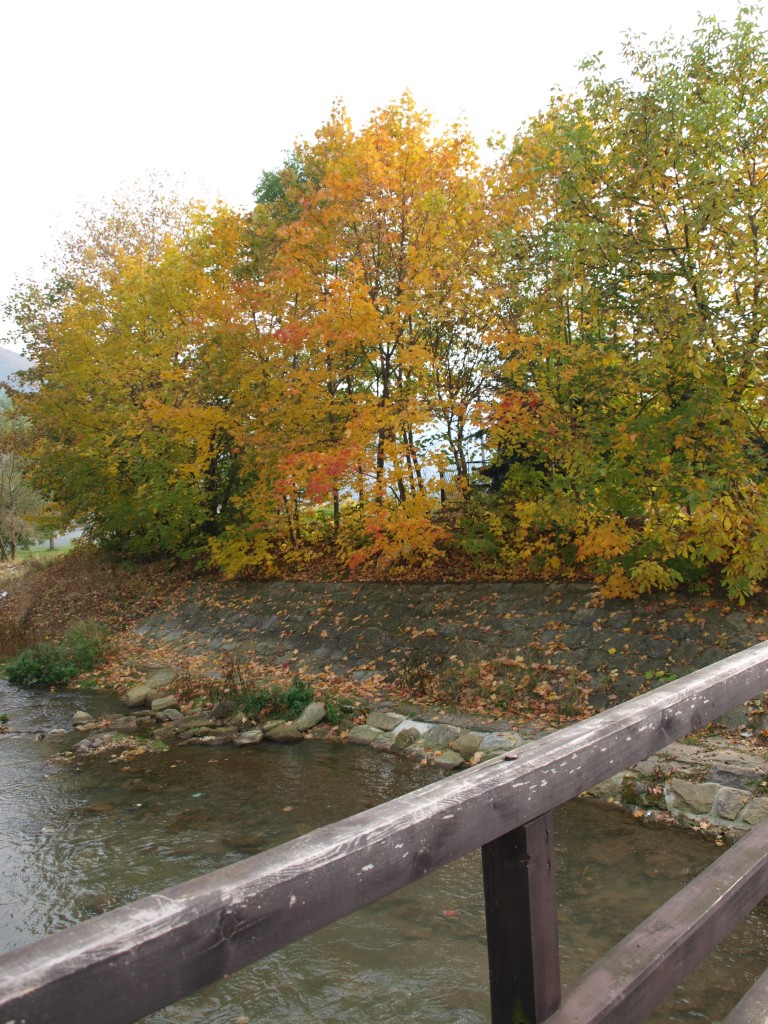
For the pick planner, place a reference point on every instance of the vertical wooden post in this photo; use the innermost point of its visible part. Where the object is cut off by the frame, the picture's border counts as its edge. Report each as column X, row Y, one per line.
column 521, row 922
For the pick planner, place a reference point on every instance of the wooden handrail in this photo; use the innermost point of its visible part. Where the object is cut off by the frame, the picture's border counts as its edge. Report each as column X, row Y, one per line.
column 753, row 1007
column 646, row 966
column 216, row 924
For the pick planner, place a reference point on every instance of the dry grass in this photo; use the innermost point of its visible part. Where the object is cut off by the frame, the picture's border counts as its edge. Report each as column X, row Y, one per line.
column 44, row 597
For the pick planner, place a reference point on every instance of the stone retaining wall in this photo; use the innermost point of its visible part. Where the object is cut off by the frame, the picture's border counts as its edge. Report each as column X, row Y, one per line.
column 356, row 629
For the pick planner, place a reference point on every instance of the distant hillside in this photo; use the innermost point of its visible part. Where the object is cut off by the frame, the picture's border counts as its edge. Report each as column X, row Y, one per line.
column 11, row 362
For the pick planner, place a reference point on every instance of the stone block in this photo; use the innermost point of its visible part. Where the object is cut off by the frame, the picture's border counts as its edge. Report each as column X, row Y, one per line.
column 736, row 718
column 384, row 720
column 449, row 759
column 405, row 738
column 363, row 735
column 756, row 811
column 610, row 789
column 494, row 743
column 439, row 736
column 729, row 803
column 160, row 678
column 467, row 743
column 693, row 797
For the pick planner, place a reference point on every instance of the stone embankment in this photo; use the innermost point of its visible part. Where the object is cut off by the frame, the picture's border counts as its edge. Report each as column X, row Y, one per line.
column 709, row 786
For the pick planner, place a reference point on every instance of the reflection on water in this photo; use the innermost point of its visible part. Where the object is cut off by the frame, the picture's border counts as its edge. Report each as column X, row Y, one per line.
column 78, row 840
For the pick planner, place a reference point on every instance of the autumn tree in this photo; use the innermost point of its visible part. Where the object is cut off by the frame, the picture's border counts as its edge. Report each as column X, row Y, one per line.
column 377, row 280
column 591, row 309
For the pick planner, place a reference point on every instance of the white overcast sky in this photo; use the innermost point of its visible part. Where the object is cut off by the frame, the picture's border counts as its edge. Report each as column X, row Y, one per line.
column 96, row 94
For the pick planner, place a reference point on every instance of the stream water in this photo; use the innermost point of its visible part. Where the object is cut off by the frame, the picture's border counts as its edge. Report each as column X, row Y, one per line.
column 79, row 839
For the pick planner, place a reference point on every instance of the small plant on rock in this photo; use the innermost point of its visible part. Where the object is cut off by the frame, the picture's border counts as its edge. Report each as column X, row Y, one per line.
column 290, row 701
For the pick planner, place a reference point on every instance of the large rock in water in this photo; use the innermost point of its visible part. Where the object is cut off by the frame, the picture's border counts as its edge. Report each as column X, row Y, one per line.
column 362, row 735
column 249, row 737
column 136, row 696
column 127, row 723
column 286, row 732
column 310, row 716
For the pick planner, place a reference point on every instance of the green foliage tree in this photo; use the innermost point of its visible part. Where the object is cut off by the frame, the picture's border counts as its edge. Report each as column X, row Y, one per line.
column 634, row 418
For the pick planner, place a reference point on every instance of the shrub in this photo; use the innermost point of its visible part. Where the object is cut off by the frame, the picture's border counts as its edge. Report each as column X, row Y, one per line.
column 48, row 664
column 298, row 695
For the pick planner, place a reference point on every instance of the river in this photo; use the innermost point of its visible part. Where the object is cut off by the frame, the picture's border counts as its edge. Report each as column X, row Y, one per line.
column 81, row 838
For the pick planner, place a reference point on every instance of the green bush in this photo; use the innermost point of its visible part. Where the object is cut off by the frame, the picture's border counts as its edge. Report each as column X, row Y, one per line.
column 47, row 664
column 256, row 701
column 291, row 701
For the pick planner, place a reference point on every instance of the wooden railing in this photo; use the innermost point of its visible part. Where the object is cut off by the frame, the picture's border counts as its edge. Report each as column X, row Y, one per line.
column 167, row 946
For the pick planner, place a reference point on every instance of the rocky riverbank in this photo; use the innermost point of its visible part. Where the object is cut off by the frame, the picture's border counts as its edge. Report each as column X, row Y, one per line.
column 711, row 784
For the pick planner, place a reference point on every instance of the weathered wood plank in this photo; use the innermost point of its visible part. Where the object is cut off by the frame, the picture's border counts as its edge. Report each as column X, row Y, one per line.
column 216, row 924
column 645, row 967
column 521, row 922
column 753, row 1007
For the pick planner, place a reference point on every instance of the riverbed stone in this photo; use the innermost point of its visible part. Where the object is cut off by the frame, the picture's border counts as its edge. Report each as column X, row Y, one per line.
column 730, row 802
column 136, row 696
column 363, row 735
column 756, row 811
column 286, row 732
column 384, row 720
column 693, row 797
column 127, row 723
column 383, row 743
column 81, row 718
column 311, row 716
column 249, row 737
column 467, row 743
column 414, row 750
column 172, row 715
column 164, row 704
